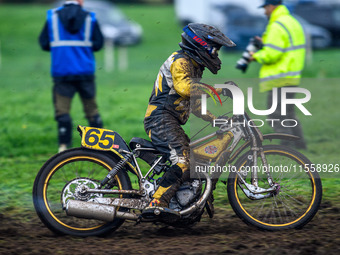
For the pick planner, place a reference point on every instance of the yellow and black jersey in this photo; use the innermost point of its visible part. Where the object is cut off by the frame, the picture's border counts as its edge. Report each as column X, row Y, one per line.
column 173, row 87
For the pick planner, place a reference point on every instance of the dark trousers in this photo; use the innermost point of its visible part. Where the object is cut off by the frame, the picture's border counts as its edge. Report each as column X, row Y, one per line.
column 290, row 114
column 63, row 93
column 168, row 137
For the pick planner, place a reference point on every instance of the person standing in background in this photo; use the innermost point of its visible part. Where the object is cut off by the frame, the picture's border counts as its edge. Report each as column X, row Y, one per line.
column 282, row 58
column 72, row 34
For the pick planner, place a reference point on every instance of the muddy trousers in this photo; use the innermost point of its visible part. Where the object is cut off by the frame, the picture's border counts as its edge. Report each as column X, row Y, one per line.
column 169, row 138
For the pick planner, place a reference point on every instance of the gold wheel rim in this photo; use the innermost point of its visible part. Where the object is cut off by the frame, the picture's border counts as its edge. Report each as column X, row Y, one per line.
column 50, row 175
column 285, row 224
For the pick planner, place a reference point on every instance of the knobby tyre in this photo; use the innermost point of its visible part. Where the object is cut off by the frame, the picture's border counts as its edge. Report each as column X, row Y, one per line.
column 295, row 202
column 57, row 181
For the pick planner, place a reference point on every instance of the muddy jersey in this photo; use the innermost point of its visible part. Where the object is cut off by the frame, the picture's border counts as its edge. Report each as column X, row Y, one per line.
column 177, row 80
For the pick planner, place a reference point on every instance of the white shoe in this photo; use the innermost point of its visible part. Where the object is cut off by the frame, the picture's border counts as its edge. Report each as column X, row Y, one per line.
column 62, row 147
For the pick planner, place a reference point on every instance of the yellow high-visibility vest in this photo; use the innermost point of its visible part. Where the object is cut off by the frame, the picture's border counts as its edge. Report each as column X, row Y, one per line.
column 283, row 54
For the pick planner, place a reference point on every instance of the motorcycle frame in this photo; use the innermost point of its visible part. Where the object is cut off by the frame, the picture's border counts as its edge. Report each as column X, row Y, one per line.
column 250, row 134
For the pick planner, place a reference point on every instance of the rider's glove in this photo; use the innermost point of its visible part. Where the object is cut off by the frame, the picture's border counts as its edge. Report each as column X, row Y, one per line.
column 227, row 92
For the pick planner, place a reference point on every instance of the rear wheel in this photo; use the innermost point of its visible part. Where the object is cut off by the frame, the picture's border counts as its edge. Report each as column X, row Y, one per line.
column 59, row 180
column 296, row 199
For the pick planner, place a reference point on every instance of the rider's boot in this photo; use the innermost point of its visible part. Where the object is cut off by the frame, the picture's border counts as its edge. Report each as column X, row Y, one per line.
column 158, row 208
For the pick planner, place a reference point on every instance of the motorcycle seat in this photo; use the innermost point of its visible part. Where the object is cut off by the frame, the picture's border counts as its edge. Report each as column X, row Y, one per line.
column 140, row 142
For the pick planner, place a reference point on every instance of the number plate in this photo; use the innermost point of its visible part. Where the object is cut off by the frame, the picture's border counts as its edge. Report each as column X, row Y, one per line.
column 98, row 138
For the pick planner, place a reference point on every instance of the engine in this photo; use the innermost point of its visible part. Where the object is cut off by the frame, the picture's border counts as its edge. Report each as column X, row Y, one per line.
column 187, row 193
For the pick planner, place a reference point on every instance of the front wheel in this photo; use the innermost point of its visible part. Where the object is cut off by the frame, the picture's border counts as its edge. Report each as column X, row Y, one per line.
column 58, row 181
column 296, row 199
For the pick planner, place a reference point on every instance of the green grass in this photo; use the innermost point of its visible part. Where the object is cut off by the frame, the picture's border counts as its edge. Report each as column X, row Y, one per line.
column 28, row 130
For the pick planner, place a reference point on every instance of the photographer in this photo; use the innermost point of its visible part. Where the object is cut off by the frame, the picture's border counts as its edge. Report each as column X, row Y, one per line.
column 282, row 58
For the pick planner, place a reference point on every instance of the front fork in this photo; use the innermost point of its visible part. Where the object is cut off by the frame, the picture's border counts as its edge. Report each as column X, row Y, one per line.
column 256, row 149
column 254, row 169
column 252, row 190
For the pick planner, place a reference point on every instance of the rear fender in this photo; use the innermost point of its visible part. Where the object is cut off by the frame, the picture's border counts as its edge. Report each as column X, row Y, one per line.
column 107, row 141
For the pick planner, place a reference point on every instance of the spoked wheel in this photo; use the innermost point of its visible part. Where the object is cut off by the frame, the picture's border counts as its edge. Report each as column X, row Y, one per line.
column 62, row 178
column 292, row 204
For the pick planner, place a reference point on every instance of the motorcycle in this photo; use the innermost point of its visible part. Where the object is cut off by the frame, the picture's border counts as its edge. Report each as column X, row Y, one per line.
column 92, row 190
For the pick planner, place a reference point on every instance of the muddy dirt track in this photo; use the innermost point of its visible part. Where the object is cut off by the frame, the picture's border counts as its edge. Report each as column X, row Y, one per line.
column 224, row 234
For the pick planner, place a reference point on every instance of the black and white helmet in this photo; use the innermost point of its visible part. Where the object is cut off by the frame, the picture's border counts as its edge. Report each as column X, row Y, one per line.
column 202, row 43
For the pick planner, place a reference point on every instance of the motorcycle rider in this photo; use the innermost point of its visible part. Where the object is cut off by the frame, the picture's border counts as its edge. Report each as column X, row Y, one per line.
column 178, row 80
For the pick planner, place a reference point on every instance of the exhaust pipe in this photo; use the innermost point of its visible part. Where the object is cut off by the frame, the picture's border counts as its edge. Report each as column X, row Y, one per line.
column 89, row 210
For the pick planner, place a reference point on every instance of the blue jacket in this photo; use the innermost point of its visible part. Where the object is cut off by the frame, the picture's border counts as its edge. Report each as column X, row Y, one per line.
column 71, row 34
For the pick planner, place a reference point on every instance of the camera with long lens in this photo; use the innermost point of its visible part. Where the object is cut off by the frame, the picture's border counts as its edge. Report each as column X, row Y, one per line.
column 253, row 46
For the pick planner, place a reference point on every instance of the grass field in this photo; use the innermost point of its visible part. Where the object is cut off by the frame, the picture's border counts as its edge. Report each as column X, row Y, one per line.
column 28, row 130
